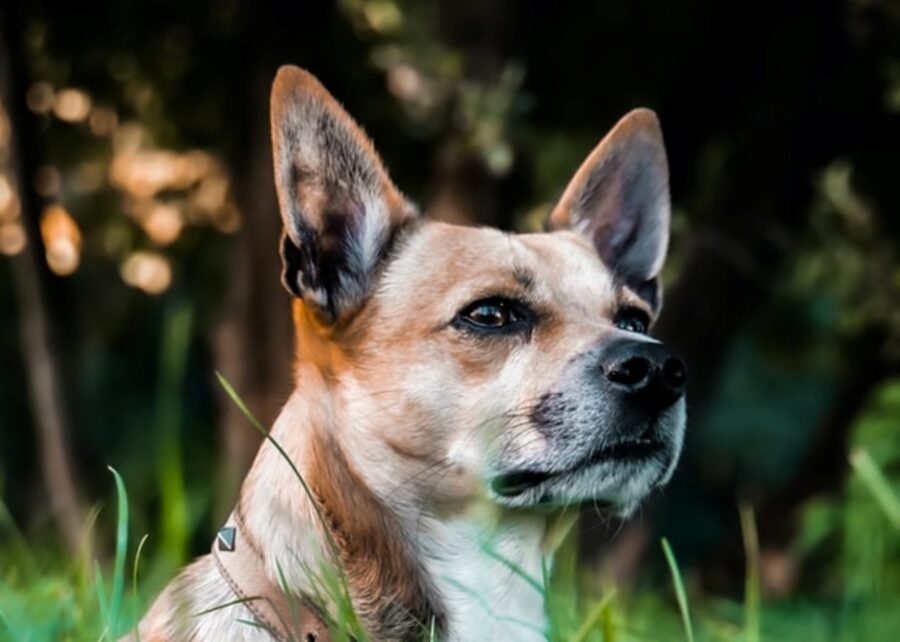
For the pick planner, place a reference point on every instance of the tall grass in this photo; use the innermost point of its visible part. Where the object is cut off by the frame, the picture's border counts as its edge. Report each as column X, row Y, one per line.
column 877, row 484
column 46, row 597
column 680, row 593
column 111, row 607
column 174, row 516
column 751, row 581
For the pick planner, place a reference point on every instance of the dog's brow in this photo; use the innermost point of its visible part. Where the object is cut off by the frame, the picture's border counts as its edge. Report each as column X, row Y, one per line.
column 524, row 278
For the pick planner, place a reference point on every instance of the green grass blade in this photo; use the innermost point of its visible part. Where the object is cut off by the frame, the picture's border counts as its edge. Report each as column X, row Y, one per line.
column 593, row 618
column 244, row 601
column 84, row 564
column 609, row 630
column 225, row 605
column 680, row 593
column 877, row 484
column 341, row 596
column 515, row 568
column 118, row 586
column 174, row 530
column 480, row 600
column 751, row 580
column 291, row 598
column 255, row 625
column 101, row 592
column 232, row 393
column 134, row 579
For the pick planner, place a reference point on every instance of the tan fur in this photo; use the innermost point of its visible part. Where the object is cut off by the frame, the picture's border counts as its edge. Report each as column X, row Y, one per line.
column 388, row 586
column 399, row 418
column 640, row 124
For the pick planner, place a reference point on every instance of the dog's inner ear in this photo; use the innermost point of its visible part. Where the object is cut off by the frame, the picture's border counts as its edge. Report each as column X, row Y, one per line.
column 619, row 198
column 339, row 207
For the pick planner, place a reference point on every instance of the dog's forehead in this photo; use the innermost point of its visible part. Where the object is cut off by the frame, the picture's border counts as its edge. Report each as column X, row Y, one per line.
column 458, row 262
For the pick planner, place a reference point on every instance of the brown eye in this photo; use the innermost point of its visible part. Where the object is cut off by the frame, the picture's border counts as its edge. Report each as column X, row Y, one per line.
column 494, row 314
column 490, row 315
column 632, row 320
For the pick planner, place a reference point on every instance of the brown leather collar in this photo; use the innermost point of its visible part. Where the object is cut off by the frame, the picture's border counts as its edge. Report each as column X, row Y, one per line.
column 287, row 618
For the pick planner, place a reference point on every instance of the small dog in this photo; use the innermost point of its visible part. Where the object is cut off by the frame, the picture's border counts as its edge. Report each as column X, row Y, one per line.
column 455, row 389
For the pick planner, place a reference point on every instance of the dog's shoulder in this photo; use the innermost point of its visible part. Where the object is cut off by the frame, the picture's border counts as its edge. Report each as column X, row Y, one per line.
column 191, row 608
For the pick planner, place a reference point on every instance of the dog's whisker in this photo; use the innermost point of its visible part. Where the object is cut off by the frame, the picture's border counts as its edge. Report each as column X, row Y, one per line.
column 425, row 471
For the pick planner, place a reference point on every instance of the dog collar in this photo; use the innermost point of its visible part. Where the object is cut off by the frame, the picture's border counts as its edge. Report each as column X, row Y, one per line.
column 287, row 617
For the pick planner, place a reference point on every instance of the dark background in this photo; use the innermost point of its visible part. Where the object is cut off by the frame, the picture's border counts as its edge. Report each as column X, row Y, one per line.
column 135, row 146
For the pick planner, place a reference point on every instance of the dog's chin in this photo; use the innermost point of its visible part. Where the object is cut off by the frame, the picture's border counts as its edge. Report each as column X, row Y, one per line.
column 613, row 485
column 615, row 477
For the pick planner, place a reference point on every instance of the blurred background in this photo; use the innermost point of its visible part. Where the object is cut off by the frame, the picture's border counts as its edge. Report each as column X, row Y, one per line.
column 138, row 229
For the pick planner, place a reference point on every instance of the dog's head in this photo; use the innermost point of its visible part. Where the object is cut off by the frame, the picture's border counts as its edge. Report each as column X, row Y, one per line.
column 473, row 362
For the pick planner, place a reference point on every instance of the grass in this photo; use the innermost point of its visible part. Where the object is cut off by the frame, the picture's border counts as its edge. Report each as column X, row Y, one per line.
column 44, row 603
column 751, row 581
column 111, row 607
column 46, row 597
column 680, row 593
column 870, row 474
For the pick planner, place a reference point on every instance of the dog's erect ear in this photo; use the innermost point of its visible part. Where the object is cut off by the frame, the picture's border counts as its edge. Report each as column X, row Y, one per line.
column 338, row 205
column 619, row 198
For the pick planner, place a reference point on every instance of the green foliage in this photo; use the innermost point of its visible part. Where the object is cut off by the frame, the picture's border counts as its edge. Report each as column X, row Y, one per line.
column 859, row 528
column 45, row 598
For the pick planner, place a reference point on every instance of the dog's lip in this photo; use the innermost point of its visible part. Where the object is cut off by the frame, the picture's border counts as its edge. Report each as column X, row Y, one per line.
column 517, row 482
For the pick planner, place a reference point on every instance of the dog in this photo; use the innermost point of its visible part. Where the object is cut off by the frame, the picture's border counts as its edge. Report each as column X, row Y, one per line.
column 455, row 389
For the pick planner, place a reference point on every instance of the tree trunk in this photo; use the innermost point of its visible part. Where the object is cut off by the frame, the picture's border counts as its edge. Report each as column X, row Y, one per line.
column 33, row 284
column 254, row 341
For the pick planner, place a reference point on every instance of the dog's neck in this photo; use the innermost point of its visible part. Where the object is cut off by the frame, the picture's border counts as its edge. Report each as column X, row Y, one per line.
column 474, row 575
column 488, row 574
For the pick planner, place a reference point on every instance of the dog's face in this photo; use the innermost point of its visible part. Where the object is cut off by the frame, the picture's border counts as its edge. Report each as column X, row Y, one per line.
column 513, row 367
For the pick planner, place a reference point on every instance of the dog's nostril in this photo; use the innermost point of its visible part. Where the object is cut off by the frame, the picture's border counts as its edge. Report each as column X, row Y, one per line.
column 649, row 433
column 674, row 372
column 630, row 372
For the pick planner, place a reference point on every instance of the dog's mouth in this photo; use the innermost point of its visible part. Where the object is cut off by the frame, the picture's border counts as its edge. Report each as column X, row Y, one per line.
column 626, row 452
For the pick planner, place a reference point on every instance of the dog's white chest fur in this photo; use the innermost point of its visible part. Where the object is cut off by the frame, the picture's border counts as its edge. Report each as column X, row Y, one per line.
column 480, row 576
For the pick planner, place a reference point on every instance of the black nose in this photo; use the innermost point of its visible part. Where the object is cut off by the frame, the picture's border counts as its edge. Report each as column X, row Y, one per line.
column 649, row 372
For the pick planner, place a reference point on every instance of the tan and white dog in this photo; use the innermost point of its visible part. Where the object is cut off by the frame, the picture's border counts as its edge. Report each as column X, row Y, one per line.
column 455, row 388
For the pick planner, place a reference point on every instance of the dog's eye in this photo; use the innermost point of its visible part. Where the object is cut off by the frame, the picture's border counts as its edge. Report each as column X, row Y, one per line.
column 492, row 314
column 632, row 320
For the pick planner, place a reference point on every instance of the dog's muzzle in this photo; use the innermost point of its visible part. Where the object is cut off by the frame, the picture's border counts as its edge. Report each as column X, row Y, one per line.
column 618, row 414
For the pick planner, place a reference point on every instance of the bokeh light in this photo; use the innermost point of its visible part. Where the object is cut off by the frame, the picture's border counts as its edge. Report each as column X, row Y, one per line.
column 72, row 105
column 147, row 271
column 62, row 240
column 162, row 223
column 40, row 97
column 12, row 238
column 103, row 121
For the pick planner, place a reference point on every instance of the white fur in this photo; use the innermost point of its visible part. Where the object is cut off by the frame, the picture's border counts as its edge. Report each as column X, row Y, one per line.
column 484, row 597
